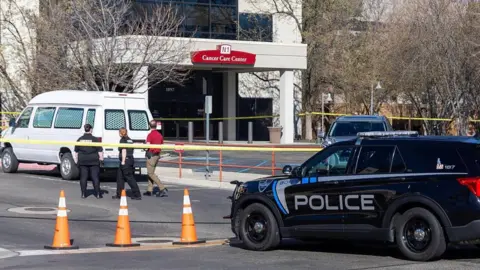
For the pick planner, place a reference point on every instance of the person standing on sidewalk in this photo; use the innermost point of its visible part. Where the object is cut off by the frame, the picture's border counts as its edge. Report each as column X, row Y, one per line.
column 153, row 155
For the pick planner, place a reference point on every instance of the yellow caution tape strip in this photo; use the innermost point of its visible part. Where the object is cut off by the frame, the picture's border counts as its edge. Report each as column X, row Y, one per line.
column 216, row 119
column 163, row 146
column 300, row 114
column 304, row 114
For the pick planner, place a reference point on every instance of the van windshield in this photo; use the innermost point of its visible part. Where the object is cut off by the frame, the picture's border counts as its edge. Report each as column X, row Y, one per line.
column 354, row 127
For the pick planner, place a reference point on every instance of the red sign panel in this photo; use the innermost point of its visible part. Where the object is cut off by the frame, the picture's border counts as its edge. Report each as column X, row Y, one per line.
column 178, row 149
column 223, row 55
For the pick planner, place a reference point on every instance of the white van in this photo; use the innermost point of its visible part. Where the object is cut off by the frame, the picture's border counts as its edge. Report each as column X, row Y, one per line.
column 60, row 116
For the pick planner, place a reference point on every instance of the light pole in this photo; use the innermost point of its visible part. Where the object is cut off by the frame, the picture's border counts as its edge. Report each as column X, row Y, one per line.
column 371, row 96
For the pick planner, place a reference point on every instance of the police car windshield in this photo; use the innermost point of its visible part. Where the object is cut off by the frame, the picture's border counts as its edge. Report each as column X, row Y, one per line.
column 352, row 128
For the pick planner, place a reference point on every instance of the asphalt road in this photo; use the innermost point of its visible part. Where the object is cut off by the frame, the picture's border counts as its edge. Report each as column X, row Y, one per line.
column 93, row 222
column 92, row 225
column 295, row 256
column 242, row 158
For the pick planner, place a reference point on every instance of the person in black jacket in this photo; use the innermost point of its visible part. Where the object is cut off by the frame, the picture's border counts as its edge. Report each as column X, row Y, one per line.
column 126, row 169
column 88, row 159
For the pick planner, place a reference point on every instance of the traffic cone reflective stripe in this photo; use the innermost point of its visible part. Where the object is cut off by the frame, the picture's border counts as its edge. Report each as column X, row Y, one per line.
column 189, row 233
column 61, row 237
column 123, row 235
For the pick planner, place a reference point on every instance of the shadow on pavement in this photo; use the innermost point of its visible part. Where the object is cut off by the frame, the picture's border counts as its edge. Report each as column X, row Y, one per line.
column 110, row 221
column 105, row 177
column 369, row 249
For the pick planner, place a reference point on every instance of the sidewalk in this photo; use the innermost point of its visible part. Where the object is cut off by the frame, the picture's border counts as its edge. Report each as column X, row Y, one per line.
column 189, row 177
column 171, row 141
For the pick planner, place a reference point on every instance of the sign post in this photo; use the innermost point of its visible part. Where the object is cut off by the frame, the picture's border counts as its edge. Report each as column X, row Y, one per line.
column 208, row 111
column 180, row 151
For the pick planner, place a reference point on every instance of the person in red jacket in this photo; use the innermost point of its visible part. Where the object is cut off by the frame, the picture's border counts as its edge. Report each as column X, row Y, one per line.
column 153, row 155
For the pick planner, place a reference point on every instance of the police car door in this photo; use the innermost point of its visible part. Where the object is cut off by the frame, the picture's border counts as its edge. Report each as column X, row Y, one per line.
column 315, row 203
column 376, row 177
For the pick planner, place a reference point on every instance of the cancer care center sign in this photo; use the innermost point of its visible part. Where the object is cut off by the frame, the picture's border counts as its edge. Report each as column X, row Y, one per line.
column 223, row 55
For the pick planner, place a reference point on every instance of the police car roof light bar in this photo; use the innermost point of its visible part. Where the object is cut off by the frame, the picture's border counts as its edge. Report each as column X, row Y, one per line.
column 388, row 133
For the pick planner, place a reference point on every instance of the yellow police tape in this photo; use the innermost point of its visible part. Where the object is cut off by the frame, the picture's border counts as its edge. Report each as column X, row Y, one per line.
column 163, row 146
column 299, row 114
column 304, row 114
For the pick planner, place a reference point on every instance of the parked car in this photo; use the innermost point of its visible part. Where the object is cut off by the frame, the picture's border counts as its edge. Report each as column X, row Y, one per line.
column 346, row 127
column 60, row 116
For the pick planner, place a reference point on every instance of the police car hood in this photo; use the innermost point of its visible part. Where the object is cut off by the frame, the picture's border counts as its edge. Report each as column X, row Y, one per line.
column 277, row 177
column 262, row 184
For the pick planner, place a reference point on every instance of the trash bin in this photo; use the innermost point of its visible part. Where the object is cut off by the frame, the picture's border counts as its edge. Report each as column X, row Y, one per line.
column 275, row 134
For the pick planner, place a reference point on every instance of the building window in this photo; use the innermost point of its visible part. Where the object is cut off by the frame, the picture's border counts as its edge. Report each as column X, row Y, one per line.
column 256, row 27
column 223, row 20
column 211, row 19
column 196, row 18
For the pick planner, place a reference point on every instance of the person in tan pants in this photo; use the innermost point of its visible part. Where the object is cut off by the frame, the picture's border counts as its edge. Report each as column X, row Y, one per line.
column 153, row 155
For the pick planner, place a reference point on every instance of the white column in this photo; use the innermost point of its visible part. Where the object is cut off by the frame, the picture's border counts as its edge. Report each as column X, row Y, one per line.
column 286, row 106
column 230, row 105
column 140, row 81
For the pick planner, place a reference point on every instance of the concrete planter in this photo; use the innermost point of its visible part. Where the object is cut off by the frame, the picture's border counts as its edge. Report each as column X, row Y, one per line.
column 275, row 134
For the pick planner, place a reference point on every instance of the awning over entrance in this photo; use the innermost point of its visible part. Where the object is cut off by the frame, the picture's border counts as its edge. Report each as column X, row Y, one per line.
column 254, row 56
column 266, row 55
column 231, row 57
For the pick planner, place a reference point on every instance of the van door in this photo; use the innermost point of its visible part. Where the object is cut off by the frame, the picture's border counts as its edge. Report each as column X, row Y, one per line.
column 21, row 131
column 138, row 116
column 114, row 118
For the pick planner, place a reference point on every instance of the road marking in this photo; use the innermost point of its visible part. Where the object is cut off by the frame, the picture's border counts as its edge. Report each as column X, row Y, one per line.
column 258, row 165
column 5, row 253
column 42, row 252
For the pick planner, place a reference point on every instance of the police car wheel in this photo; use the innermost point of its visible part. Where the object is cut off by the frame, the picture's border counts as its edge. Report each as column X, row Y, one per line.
column 68, row 168
column 419, row 235
column 259, row 228
column 9, row 161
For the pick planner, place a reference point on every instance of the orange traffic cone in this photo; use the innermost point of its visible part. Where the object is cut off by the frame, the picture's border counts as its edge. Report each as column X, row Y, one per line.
column 189, row 233
column 61, row 237
column 123, row 236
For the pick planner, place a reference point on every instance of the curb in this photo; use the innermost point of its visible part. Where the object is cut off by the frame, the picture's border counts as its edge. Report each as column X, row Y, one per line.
column 198, row 183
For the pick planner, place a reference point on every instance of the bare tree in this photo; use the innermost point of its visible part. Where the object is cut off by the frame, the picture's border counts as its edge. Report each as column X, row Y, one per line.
column 101, row 45
column 342, row 51
column 432, row 60
column 17, row 55
column 116, row 39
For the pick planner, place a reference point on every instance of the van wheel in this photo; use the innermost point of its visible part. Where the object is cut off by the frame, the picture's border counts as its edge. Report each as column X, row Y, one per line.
column 419, row 235
column 9, row 161
column 68, row 167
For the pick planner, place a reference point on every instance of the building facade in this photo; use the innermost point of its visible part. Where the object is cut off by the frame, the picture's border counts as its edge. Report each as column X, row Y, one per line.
column 232, row 39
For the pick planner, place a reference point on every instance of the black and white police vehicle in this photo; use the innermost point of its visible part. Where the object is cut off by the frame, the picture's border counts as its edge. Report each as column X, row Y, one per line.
column 419, row 192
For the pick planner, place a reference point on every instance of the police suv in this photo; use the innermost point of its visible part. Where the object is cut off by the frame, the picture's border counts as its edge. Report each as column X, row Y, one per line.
column 419, row 192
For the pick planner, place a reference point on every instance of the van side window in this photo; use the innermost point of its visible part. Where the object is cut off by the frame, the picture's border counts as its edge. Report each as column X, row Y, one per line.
column 138, row 120
column 24, row 118
column 90, row 117
column 43, row 117
column 114, row 119
column 70, row 118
